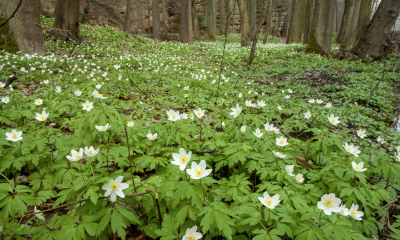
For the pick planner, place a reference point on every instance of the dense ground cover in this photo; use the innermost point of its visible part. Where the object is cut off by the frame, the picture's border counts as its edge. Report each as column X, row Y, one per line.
column 274, row 142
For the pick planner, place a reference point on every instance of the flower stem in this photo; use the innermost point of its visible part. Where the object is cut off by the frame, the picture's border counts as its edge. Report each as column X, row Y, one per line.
column 90, row 163
column 80, row 166
column 203, row 192
column 19, row 148
column 129, row 156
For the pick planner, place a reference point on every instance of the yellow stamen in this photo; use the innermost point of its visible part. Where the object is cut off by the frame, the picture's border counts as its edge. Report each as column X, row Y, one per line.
column 14, row 135
column 114, row 186
column 357, row 167
column 269, row 201
column 198, row 172
column 329, row 202
column 191, row 236
column 353, row 213
column 42, row 117
column 237, row 111
column 183, row 159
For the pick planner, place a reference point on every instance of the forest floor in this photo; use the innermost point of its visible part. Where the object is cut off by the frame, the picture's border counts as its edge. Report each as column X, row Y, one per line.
column 137, row 101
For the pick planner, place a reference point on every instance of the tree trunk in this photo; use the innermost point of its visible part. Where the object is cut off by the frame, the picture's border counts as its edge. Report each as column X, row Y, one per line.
column 67, row 20
column 297, row 24
column 222, row 16
column 230, row 14
column 185, row 31
column 308, row 20
column 287, row 21
column 23, row 32
column 127, row 25
column 252, row 18
column 244, row 22
column 363, row 17
column 165, row 16
column 354, row 20
column 255, row 38
column 268, row 22
column 156, row 19
column 321, row 29
column 375, row 38
column 345, row 30
column 211, row 20
column 195, row 21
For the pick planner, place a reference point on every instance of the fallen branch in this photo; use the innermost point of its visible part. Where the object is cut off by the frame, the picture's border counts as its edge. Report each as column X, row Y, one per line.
column 83, row 200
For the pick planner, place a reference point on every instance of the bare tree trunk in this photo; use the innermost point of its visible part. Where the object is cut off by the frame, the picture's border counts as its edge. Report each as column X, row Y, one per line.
column 165, row 16
column 345, row 30
column 195, row 21
column 268, row 23
column 222, row 16
column 375, row 38
column 298, row 22
column 244, row 22
column 23, row 32
column 211, row 20
column 127, row 25
column 156, row 19
column 67, row 20
column 230, row 17
column 363, row 18
column 252, row 18
column 308, row 20
column 354, row 20
column 185, row 31
column 321, row 30
column 255, row 38
column 287, row 21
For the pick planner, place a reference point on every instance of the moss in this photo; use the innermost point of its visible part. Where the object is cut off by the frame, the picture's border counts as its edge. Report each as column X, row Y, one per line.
column 7, row 41
column 313, row 46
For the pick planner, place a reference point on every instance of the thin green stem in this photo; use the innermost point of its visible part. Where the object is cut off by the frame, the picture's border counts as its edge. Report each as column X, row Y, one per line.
column 91, row 168
column 80, row 166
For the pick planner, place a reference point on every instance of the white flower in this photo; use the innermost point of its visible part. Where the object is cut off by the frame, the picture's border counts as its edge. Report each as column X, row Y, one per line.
column 328, row 105
column 187, row 95
column 5, row 99
column 103, row 128
column 351, row 149
column 182, row 159
column 199, row 113
column 2, row 84
column 14, row 135
column 96, row 94
column 279, row 154
column 397, row 156
column 198, row 171
column 114, row 188
column 90, row 152
column 117, row 66
column 38, row 101
column 279, row 108
column 354, row 213
column 243, row 129
column 77, row 93
column 311, row 100
column 289, row 169
column 173, row 116
column 258, row 133
column 290, row 91
column 46, row 81
column 186, row 88
column 361, row 133
column 334, row 120
column 380, row 140
column 38, row 214
column 151, row 136
column 261, row 103
column 87, row 105
column 276, row 130
column 130, row 124
column 223, row 124
column 236, row 111
column 269, row 202
column 281, row 141
column 42, row 117
column 191, row 234
column 269, row 127
column 191, row 115
column 75, row 156
column 344, row 211
column 58, row 89
column 319, row 101
column 307, row 114
column 184, row 116
column 299, row 178
column 358, row 167
column 98, row 86
column 329, row 203
column 287, row 96
column 240, row 95
column 248, row 103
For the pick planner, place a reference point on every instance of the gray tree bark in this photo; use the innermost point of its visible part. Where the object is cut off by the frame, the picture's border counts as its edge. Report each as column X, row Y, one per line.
column 127, row 25
column 363, row 18
column 268, row 22
column 195, row 21
column 186, row 29
column 375, row 38
column 222, row 16
column 244, row 23
column 297, row 26
column 253, row 18
column 211, row 20
column 345, row 30
column 156, row 19
column 321, row 29
column 67, row 20
column 308, row 20
column 165, row 16
column 23, row 32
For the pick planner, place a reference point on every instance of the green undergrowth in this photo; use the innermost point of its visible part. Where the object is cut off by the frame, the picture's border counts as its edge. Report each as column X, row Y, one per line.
column 138, row 80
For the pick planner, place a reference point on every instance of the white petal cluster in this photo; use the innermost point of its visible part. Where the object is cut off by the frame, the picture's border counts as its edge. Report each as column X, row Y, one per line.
column 114, row 188
column 268, row 201
column 198, row 171
column 181, row 159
